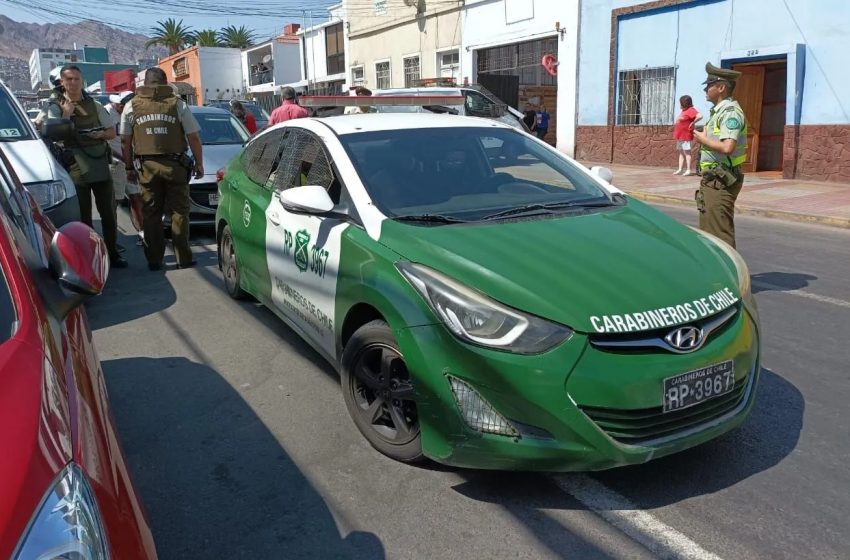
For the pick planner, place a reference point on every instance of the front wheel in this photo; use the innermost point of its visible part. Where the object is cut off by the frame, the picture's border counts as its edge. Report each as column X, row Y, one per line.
column 229, row 266
column 378, row 393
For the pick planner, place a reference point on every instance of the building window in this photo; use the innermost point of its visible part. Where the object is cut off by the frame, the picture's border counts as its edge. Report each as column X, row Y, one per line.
column 646, row 96
column 411, row 71
column 382, row 75
column 335, row 47
column 520, row 59
column 358, row 77
column 180, row 67
column 449, row 63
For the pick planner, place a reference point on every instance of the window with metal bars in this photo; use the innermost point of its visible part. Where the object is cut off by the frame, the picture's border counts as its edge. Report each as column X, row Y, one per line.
column 646, row 96
column 520, row 59
column 181, row 67
column 411, row 71
column 382, row 75
column 357, row 75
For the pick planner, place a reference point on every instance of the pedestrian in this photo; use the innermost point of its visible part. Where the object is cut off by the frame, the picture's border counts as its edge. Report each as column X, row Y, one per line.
column 288, row 109
column 90, row 170
column 542, row 122
column 723, row 149
column 530, row 119
column 358, row 91
column 683, row 132
column 118, row 168
column 156, row 127
column 244, row 116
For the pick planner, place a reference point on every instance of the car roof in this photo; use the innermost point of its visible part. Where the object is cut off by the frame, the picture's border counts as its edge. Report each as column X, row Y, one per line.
column 207, row 109
column 373, row 122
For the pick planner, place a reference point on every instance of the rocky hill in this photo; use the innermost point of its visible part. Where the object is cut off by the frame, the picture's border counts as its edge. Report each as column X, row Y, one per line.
column 17, row 40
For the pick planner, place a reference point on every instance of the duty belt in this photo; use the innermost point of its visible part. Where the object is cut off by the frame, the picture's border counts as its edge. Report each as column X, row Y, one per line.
column 174, row 157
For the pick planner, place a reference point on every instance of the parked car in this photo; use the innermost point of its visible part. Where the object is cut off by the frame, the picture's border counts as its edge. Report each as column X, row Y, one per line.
column 34, row 164
column 65, row 486
column 260, row 114
column 484, row 311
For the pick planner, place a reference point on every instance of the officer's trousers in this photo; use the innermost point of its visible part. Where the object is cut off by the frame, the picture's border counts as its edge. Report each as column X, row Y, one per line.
column 103, row 195
column 165, row 184
column 716, row 205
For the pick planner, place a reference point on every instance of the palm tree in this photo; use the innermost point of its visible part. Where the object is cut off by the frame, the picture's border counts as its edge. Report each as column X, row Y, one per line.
column 170, row 33
column 236, row 37
column 206, row 38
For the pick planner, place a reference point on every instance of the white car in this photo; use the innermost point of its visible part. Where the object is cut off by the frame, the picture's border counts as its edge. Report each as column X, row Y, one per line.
column 34, row 164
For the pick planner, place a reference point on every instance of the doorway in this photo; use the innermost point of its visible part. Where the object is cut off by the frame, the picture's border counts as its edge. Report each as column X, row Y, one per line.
column 761, row 92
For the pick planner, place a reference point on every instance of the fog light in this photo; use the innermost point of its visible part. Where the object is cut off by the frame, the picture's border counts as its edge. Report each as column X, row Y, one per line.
column 477, row 412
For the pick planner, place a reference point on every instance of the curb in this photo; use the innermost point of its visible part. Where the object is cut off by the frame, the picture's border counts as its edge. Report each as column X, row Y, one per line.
column 830, row 221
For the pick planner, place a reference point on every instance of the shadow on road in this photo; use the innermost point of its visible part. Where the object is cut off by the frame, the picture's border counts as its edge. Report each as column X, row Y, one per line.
column 780, row 281
column 215, row 481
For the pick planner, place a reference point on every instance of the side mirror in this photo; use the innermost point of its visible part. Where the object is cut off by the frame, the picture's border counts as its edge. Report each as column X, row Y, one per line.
column 310, row 199
column 80, row 263
column 603, row 173
column 57, row 130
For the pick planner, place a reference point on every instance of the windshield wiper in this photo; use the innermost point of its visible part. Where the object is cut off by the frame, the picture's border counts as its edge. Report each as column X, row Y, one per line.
column 434, row 218
column 586, row 203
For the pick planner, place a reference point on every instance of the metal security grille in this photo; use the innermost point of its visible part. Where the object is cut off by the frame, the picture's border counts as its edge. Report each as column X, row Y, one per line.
column 646, row 96
column 382, row 75
column 521, row 59
column 411, row 71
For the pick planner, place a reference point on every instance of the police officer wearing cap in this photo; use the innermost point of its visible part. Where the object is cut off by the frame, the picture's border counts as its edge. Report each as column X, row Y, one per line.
column 156, row 127
column 723, row 149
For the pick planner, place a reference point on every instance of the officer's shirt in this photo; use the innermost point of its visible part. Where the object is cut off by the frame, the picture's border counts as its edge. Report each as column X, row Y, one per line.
column 730, row 119
column 187, row 119
column 54, row 111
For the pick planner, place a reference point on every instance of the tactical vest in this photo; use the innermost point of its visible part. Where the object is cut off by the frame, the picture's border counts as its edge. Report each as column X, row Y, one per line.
column 709, row 158
column 157, row 129
column 84, row 122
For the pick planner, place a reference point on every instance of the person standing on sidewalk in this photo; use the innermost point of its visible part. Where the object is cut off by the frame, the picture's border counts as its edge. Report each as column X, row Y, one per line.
column 723, row 149
column 289, row 109
column 90, row 170
column 542, row 122
column 683, row 132
column 155, row 128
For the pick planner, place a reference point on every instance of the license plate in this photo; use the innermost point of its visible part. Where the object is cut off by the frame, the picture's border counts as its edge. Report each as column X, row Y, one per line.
column 213, row 199
column 699, row 385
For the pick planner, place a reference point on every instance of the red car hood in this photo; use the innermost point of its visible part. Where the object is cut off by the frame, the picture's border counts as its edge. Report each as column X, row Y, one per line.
column 35, row 435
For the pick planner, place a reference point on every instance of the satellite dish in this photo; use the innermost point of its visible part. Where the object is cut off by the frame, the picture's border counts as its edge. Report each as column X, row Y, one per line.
column 267, row 59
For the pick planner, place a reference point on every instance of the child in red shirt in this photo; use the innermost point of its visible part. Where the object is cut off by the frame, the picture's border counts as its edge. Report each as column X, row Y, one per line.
column 683, row 132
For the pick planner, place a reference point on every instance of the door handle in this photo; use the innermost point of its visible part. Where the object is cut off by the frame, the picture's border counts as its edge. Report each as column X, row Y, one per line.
column 274, row 218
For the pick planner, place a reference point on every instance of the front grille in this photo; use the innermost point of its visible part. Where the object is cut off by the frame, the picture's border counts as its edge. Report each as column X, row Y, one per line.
column 640, row 426
column 200, row 194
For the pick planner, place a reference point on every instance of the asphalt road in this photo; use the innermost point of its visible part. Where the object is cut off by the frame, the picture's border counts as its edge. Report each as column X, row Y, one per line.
column 241, row 446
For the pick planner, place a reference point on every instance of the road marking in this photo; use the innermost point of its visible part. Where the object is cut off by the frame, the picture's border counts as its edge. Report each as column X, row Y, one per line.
column 800, row 293
column 640, row 526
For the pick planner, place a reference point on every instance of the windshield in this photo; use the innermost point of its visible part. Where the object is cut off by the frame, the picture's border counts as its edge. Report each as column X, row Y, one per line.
column 221, row 128
column 470, row 173
column 258, row 112
column 13, row 123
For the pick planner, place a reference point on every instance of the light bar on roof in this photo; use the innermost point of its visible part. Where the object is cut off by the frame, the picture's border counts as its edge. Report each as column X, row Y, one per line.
column 367, row 101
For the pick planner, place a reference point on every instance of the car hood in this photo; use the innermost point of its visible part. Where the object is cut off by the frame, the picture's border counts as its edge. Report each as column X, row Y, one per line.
column 580, row 270
column 31, row 160
column 217, row 156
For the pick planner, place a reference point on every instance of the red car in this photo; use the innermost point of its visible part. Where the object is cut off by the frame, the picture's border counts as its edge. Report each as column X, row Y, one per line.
column 65, row 488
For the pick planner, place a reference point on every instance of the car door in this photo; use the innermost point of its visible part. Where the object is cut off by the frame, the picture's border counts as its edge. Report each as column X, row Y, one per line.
column 250, row 193
column 304, row 250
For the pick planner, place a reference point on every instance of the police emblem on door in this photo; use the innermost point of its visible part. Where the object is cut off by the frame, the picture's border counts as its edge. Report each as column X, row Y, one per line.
column 302, row 256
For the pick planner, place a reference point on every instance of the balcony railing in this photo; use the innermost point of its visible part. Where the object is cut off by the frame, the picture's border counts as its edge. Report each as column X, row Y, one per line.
column 258, row 77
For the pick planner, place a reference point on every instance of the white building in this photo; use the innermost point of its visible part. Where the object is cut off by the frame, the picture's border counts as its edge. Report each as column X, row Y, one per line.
column 42, row 61
column 268, row 66
column 503, row 44
column 323, row 48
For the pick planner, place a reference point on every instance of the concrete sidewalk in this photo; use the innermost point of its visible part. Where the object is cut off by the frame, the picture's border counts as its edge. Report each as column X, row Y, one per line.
column 765, row 194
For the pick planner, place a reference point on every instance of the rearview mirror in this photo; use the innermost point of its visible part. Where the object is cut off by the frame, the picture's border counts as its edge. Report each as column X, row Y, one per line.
column 80, row 263
column 603, row 173
column 57, row 130
column 310, row 199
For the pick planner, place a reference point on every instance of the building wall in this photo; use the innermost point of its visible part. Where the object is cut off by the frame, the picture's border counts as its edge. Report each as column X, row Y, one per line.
column 810, row 34
column 193, row 78
column 394, row 32
column 287, row 63
column 220, row 73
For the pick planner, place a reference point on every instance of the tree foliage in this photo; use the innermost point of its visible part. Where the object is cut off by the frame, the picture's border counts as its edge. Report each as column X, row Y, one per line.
column 171, row 34
column 207, row 38
column 236, row 37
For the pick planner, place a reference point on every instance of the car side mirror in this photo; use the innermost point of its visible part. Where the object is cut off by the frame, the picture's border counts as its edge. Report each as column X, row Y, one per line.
column 79, row 261
column 309, row 199
column 57, row 130
column 603, row 173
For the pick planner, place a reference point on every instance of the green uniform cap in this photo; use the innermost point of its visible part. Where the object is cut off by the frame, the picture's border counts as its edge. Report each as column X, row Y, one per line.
column 716, row 74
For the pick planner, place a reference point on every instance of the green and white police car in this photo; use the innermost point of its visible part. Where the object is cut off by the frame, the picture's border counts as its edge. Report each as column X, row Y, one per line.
column 484, row 311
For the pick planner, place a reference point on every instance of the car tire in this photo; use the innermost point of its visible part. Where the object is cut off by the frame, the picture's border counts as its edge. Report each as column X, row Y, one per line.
column 229, row 265
column 378, row 393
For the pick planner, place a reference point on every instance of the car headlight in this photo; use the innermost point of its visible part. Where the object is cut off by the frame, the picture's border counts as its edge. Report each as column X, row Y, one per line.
column 67, row 524
column 47, row 194
column 475, row 318
column 741, row 268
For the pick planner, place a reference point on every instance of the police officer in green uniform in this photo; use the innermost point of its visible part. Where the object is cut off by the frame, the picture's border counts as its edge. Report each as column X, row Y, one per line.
column 723, row 149
column 156, row 127
column 90, row 170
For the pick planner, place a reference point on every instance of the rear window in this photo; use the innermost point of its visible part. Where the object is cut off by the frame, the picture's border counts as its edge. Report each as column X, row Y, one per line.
column 220, row 128
column 13, row 122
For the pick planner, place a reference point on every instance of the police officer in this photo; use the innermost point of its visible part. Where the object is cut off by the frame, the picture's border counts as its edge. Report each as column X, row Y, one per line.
column 723, row 149
column 156, row 126
column 90, row 170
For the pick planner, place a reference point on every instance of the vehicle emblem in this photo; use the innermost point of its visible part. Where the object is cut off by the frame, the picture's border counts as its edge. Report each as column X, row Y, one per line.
column 246, row 214
column 302, row 238
column 685, row 339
